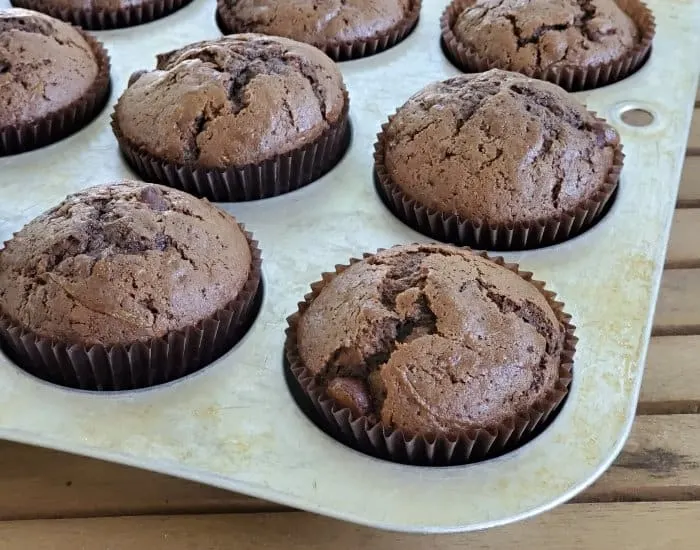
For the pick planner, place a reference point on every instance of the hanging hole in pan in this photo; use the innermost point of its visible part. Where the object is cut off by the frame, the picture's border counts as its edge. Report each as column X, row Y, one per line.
column 634, row 115
column 637, row 117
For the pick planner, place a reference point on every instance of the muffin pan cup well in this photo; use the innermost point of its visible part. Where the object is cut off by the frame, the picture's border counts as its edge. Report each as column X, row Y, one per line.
column 340, row 51
column 65, row 121
column 235, row 423
column 141, row 364
column 272, row 177
column 452, row 228
column 99, row 19
column 375, row 439
column 570, row 78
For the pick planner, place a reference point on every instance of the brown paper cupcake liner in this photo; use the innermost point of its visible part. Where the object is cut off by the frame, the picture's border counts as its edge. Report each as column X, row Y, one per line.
column 95, row 19
column 66, row 121
column 142, row 364
column 375, row 439
column 451, row 228
column 340, row 50
column 571, row 78
column 272, row 177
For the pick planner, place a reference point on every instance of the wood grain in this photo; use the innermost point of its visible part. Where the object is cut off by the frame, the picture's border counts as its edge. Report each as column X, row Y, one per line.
column 689, row 193
column 672, row 376
column 642, row 526
column 660, row 461
column 50, row 484
column 678, row 307
column 694, row 138
column 683, row 249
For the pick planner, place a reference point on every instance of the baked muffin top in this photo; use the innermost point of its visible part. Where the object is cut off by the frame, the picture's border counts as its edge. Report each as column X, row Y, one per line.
column 233, row 101
column 498, row 147
column 534, row 35
column 122, row 263
column 318, row 22
column 98, row 5
column 45, row 65
column 432, row 339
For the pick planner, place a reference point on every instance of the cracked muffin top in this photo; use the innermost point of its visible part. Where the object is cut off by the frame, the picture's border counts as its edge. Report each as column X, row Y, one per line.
column 45, row 65
column 122, row 263
column 432, row 339
column 318, row 22
column 498, row 147
column 534, row 35
column 233, row 101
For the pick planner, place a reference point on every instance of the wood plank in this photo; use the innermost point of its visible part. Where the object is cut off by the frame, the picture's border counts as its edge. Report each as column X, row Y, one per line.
column 678, row 307
column 694, row 138
column 642, row 526
column 689, row 192
column 660, row 461
column 672, row 376
column 39, row 483
column 683, row 249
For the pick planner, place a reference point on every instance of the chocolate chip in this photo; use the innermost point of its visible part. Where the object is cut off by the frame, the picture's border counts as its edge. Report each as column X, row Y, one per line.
column 351, row 393
column 153, row 197
column 605, row 135
column 135, row 76
column 161, row 242
column 134, row 247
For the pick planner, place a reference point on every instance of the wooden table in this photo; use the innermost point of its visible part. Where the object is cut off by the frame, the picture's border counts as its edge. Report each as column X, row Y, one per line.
column 649, row 499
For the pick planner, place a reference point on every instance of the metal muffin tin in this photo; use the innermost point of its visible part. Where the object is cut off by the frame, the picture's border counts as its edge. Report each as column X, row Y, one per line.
column 235, row 425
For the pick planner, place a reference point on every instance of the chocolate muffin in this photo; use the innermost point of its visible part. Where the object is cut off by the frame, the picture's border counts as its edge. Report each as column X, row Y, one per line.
column 125, row 264
column 238, row 118
column 432, row 341
column 574, row 43
column 344, row 29
column 516, row 157
column 53, row 79
column 104, row 14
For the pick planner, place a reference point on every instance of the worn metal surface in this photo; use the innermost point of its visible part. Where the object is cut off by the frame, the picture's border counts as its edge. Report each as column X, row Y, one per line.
column 235, row 425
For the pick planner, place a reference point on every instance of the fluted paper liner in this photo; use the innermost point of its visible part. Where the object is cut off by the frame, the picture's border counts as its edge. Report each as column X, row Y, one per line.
column 272, row 177
column 342, row 50
column 452, row 228
column 100, row 19
column 66, row 121
column 376, row 439
column 141, row 364
column 570, row 77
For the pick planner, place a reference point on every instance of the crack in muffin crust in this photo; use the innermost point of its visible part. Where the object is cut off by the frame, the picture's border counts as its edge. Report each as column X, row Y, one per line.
column 431, row 339
column 230, row 93
column 497, row 147
column 122, row 263
column 45, row 66
column 542, row 34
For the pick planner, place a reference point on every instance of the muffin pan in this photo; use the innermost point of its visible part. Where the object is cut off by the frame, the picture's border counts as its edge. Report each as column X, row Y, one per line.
column 235, row 424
